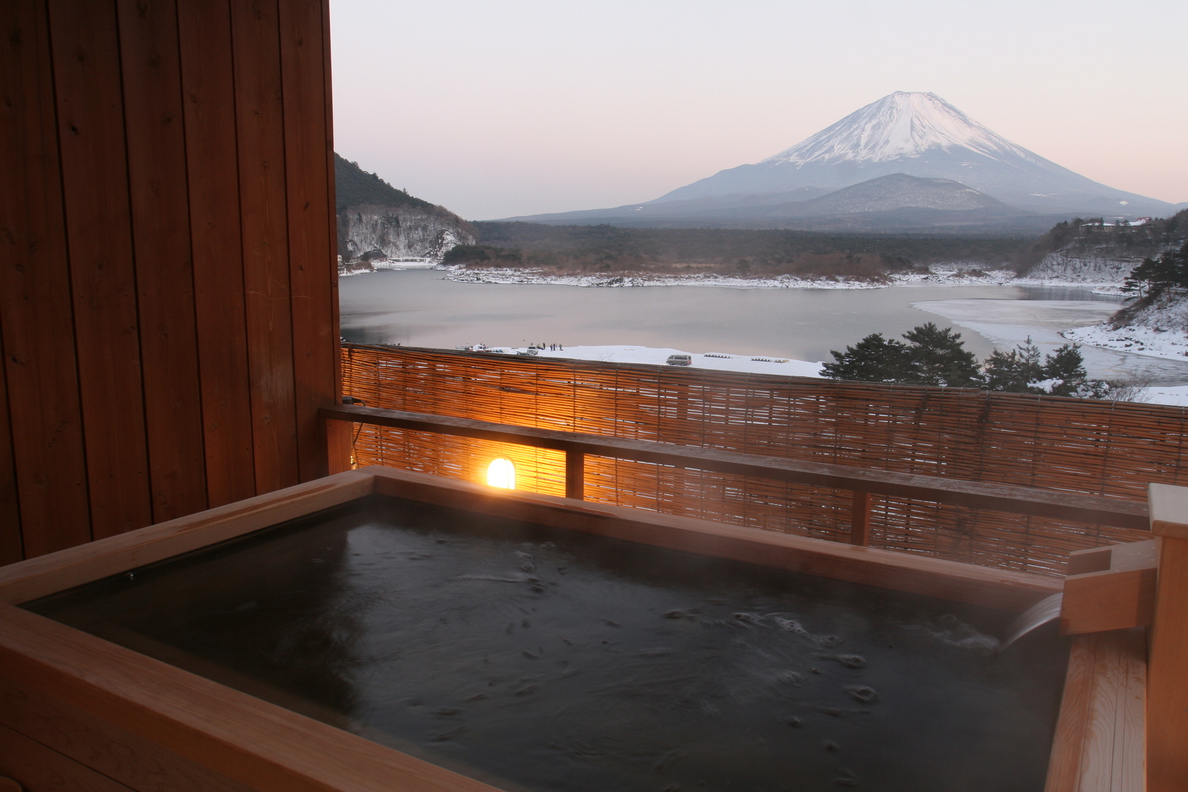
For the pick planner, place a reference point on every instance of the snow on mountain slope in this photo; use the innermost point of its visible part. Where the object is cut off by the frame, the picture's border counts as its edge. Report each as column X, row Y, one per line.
column 900, row 125
column 921, row 135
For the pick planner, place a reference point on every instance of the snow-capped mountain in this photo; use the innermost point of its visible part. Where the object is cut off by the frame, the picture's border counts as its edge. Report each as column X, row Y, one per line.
column 922, row 135
column 974, row 179
column 900, row 125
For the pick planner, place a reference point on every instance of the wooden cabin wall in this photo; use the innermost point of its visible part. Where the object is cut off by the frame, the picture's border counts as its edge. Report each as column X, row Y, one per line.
column 168, row 288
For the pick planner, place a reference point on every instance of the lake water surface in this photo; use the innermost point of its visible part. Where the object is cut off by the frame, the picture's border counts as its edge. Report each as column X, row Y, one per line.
column 421, row 308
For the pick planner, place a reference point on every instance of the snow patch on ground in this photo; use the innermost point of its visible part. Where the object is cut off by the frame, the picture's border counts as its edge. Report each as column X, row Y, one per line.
column 1176, row 396
column 1083, row 269
column 517, row 276
column 1158, row 331
column 404, row 264
column 658, row 355
column 359, row 268
column 1133, row 339
column 960, row 274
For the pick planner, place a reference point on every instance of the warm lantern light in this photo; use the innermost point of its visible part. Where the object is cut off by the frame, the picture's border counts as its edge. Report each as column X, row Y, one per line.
column 501, row 473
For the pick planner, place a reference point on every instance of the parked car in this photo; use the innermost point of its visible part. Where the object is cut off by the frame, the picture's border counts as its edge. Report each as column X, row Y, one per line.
column 679, row 360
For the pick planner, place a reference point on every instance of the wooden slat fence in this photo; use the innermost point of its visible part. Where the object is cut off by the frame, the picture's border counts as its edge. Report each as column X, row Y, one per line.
column 1066, row 445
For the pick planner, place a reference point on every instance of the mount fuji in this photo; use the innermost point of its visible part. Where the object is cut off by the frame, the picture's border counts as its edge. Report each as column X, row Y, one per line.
column 951, row 171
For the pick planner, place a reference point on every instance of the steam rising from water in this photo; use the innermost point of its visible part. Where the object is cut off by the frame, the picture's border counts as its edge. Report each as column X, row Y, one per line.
column 952, row 631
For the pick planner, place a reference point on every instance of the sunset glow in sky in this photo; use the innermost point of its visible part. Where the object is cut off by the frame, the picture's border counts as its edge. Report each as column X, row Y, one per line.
column 510, row 107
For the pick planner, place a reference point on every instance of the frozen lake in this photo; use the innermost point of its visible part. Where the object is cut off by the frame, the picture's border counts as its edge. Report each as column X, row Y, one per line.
column 421, row 308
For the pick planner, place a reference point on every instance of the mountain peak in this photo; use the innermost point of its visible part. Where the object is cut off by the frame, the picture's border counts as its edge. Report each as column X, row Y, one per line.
column 911, row 134
column 900, row 125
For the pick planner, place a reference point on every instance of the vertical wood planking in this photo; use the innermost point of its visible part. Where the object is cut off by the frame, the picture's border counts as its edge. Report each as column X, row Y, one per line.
column 10, row 511
column 1167, row 691
column 255, row 43
column 103, row 279
column 338, row 437
column 35, row 308
column 148, row 373
column 1132, row 736
column 164, row 274
column 1098, row 743
column 1109, row 675
column 312, row 255
column 204, row 28
column 1068, row 743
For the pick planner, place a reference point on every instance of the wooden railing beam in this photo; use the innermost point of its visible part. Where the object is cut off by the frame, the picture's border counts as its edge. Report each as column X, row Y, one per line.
column 1073, row 506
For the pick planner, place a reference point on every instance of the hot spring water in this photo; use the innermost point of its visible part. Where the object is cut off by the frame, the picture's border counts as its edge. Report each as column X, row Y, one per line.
column 540, row 659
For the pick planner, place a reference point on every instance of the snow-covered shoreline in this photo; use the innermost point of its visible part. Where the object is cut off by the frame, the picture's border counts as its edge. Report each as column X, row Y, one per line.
column 939, row 275
column 658, row 356
column 959, row 275
column 394, row 265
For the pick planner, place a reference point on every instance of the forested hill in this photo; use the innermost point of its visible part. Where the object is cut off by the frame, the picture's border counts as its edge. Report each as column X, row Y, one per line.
column 377, row 222
column 1093, row 236
column 354, row 186
column 750, row 253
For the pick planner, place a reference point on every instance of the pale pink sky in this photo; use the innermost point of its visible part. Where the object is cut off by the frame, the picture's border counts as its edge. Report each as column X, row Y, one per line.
column 504, row 107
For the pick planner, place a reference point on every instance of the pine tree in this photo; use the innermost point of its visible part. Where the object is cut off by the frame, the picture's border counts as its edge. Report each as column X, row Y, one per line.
column 1066, row 369
column 935, row 356
column 873, row 359
column 1157, row 275
column 1016, row 371
column 938, row 357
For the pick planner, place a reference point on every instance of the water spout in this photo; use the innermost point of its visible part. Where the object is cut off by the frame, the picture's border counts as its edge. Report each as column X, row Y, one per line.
column 1037, row 615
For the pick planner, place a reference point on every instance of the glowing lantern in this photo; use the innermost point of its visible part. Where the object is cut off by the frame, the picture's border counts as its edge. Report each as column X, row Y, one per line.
column 501, row 473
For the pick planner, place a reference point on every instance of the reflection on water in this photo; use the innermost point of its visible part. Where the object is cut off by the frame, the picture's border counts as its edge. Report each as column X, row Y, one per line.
column 530, row 657
column 420, row 308
column 271, row 618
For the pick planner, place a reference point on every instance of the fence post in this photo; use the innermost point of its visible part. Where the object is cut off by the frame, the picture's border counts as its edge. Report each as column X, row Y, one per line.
column 575, row 475
column 1167, row 669
column 860, row 519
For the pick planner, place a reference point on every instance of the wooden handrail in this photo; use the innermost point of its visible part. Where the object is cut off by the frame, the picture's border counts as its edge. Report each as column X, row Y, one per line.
column 1073, row 506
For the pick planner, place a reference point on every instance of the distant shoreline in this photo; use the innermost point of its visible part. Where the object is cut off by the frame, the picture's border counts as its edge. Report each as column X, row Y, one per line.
column 938, row 275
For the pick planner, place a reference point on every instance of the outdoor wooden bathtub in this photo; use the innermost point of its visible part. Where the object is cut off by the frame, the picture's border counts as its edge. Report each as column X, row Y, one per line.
column 102, row 716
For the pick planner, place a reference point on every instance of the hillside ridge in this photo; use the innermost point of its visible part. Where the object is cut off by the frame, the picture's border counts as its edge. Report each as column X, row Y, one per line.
column 378, row 224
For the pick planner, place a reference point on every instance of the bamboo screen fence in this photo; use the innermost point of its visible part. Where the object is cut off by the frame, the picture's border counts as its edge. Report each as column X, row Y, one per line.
column 1094, row 447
